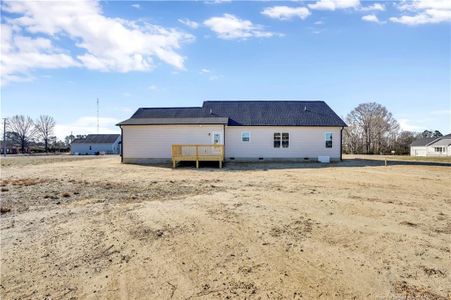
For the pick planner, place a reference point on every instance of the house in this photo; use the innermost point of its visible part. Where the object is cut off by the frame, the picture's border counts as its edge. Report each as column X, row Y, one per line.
column 242, row 130
column 97, row 144
column 11, row 148
column 440, row 146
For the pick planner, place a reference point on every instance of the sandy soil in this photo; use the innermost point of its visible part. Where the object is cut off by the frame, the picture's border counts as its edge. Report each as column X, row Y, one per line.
column 98, row 229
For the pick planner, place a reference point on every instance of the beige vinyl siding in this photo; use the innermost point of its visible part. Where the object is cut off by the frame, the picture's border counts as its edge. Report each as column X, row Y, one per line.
column 303, row 142
column 154, row 141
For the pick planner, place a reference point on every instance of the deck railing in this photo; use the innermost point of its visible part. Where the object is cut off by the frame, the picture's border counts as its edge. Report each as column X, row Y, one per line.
column 197, row 153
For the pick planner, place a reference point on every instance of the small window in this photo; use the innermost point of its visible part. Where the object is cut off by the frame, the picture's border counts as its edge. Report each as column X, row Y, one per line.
column 245, row 136
column 285, row 139
column 90, row 148
column 276, row 139
column 328, row 138
column 438, row 149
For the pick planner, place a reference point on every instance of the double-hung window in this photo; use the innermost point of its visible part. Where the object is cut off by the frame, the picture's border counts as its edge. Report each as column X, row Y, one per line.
column 281, row 139
column 276, row 139
column 285, row 139
column 328, row 139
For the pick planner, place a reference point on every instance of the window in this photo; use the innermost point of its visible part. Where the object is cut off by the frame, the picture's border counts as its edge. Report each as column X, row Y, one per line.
column 245, row 136
column 438, row 149
column 90, row 148
column 328, row 139
column 216, row 138
column 281, row 139
column 276, row 139
column 285, row 139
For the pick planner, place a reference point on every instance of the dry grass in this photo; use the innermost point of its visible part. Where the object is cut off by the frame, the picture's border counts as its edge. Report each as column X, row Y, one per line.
column 357, row 229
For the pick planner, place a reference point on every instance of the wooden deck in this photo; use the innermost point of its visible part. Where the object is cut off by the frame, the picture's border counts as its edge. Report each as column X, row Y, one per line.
column 197, row 153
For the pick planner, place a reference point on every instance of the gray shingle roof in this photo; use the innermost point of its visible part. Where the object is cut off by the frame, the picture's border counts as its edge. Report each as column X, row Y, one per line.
column 157, row 121
column 97, row 139
column 275, row 113
column 242, row 113
column 427, row 141
column 421, row 142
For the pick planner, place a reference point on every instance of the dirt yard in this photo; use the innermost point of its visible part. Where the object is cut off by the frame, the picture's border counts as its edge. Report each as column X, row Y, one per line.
column 98, row 229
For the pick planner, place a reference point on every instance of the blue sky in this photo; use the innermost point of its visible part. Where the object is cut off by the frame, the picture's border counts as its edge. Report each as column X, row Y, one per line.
column 58, row 57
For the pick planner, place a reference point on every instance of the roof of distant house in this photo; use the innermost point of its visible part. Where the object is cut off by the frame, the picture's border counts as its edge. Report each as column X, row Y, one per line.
column 97, row 139
column 242, row 113
column 429, row 141
column 422, row 142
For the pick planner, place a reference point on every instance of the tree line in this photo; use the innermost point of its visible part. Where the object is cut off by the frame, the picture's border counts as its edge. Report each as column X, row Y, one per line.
column 22, row 130
column 372, row 129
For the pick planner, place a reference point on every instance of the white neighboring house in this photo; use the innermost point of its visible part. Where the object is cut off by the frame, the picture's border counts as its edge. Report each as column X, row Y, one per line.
column 440, row 146
column 249, row 130
column 97, row 144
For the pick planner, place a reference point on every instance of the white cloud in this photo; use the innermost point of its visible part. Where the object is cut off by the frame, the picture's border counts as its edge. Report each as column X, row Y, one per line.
column 407, row 125
column 189, row 23
column 334, row 4
column 372, row 18
column 203, row 71
column 106, row 44
column 21, row 53
column 229, row 27
column 319, row 23
column 152, row 87
column 217, row 1
column 286, row 12
column 87, row 125
column 375, row 6
column 424, row 12
column 136, row 5
column 442, row 112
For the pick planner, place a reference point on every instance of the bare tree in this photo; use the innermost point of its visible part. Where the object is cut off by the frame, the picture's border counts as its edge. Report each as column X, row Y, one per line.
column 44, row 128
column 372, row 129
column 24, row 129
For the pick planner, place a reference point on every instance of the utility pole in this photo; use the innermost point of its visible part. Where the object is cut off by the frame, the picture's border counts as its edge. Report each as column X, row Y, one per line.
column 4, row 136
column 97, row 115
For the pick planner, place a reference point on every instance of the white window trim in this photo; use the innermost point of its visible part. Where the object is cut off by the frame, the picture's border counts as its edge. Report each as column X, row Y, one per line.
column 281, row 139
column 325, row 139
column 248, row 132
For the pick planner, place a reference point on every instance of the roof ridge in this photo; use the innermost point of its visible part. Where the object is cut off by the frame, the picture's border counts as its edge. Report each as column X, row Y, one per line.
column 173, row 107
column 263, row 101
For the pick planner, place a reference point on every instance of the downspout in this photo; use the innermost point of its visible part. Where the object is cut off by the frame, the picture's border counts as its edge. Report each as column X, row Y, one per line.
column 223, row 135
column 341, row 143
column 122, row 144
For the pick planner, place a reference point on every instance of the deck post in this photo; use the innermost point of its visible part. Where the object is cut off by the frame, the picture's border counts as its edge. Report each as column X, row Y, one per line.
column 197, row 156
column 220, row 164
column 173, row 164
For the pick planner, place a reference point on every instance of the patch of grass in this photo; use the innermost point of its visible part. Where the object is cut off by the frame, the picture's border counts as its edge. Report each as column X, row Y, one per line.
column 27, row 160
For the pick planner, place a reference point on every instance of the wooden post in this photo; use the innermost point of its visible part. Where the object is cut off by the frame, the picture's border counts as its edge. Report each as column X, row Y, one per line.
column 220, row 164
column 173, row 164
column 385, row 161
column 197, row 156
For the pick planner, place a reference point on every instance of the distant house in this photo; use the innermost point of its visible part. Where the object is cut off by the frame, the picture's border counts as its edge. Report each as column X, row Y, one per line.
column 11, row 148
column 97, row 144
column 245, row 130
column 440, row 146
